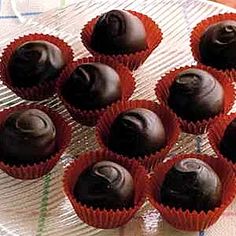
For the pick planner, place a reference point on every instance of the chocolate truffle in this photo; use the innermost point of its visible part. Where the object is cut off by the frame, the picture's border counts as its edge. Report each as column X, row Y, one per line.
column 196, row 95
column 105, row 185
column 27, row 137
column 118, row 32
column 217, row 45
column 35, row 62
column 92, row 86
column 228, row 142
column 136, row 132
column 191, row 184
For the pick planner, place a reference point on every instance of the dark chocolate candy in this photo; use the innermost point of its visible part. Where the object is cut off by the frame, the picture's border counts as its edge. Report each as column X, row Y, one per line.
column 118, row 32
column 218, row 45
column 228, row 142
column 196, row 95
column 35, row 62
column 27, row 137
column 105, row 185
column 92, row 86
column 136, row 132
column 191, row 184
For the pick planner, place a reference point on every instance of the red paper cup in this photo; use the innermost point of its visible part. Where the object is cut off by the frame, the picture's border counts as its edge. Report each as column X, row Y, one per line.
column 192, row 220
column 216, row 132
column 101, row 218
column 132, row 60
column 168, row 119
column 90, row 117
column 198, row 127
column 63, row 131
column 198, row 31
column 43, row 90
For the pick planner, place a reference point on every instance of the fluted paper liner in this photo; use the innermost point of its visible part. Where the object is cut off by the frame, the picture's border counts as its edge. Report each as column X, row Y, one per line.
column 198, row 127
column 192, row 220
column 43, row 90
column 167, row 117
column 132, row 60
column 90, row 117
column 63, row 136
column 216, row 132
column 101, row 218
column 198, row 31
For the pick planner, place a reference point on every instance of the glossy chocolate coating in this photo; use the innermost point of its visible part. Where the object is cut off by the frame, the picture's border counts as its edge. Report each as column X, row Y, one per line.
column 92, row 86
column 218, row 45
column 35, row 62
column 105, row 185
column 118, row 32
column 191, row 184
column 196, row 95
column 27, row 137
column 136, row 132
column 228, row 142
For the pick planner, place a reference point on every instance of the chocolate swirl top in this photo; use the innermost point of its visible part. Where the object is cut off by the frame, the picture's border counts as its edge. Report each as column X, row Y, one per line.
column 27, row 137
column 218, row 45
column 191, row 184
column 196, row 95
column 35, row 62
column 105, row 185
column 136, row 132
column 118, row 32
column 227, row 144
column 92, row 86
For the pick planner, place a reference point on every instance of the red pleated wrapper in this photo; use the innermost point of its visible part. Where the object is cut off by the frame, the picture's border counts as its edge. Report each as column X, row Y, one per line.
column 101, row 218
column 200, row 28
column 198, row 127
column 167, row 117
column 43, row 90
column 132, row 60
column 186, row 220
column 63, row 137
column 216, row 132
column 90, row 117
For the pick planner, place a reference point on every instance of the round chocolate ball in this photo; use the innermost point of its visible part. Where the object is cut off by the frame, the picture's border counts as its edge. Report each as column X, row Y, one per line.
column 35, row 62
column 92, row 86
column 27, row 137
column 118, row 32
column 191, row 184
column 217, row 45
column 228, row 142
column 136, row 132
column 105, row 185
column 196, row 95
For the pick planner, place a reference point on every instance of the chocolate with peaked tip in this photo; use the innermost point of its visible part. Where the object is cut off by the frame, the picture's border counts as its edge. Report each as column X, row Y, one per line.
column 217, row 45
column 191, row 184
column 105, row 185
column 118, row 32
column 35, row 62
column 136, row 132
column 196, row 95
column 27, row 137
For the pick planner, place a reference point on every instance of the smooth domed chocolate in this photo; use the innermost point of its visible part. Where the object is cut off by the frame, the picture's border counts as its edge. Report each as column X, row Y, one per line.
column 218, row 45
column 228, row 142
column 35, row 62
column 118, row 32
column 27, row 137
column 92, row 86
column 196, row 95
column 191, row 184
column 105, row 185
column 136, row 132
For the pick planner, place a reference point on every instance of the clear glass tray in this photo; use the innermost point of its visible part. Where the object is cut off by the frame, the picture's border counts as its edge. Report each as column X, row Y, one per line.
column 39, row 207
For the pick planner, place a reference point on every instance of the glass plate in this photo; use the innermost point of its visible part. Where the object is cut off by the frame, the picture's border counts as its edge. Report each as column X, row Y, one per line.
column 39, row 207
